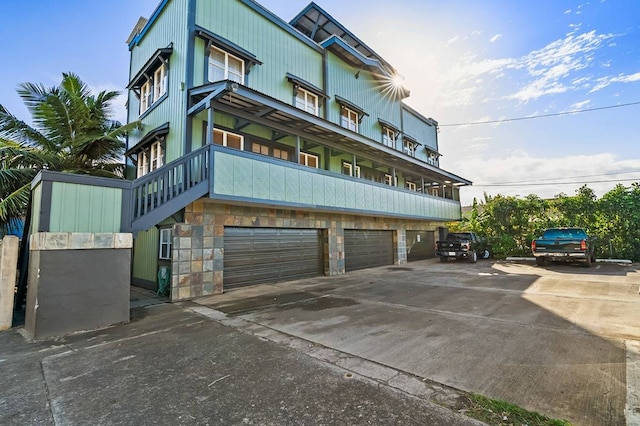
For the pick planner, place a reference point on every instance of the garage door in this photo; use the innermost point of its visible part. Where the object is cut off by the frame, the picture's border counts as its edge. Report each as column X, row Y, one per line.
column 262, row 255
column 420, row 245
column 367, row 249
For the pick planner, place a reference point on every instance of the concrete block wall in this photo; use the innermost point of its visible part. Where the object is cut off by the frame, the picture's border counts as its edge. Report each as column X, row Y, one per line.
column 77, row 281
column 9, row 248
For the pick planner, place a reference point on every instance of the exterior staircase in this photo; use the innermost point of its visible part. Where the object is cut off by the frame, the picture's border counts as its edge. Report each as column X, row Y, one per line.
column 163, row 192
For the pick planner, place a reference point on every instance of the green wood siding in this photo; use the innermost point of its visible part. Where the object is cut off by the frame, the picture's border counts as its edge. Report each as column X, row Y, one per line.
column 170, row 27
column 422, row 132
column 145, row 255
column 84, row 208
column 278, row 51
column 365, row 92
column 272, row 182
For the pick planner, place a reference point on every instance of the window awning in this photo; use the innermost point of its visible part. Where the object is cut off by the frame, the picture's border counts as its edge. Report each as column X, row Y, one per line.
column 306, row 85
column 221, row 42
column 148, row 139
column 160, row 57
column 355, row 108
column 388, row 125
column 411, row 139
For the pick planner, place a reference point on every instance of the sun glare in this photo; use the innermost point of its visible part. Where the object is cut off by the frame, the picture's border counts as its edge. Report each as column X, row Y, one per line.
column 393, row 86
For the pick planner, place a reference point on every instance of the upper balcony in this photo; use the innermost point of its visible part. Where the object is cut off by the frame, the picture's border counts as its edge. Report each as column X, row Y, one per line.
column 247, row 178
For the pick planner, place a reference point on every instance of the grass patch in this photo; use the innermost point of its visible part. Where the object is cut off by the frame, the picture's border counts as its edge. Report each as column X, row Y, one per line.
column 500, row 413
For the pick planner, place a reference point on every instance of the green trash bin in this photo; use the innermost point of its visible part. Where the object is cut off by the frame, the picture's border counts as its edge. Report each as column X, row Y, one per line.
column 164, row 277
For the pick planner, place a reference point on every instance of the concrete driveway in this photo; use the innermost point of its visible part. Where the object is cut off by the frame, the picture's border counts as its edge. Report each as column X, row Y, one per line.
column 562, row 340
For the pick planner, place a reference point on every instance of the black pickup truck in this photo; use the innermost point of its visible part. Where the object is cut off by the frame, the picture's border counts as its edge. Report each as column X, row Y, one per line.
column 462, row 245
column 564, row 244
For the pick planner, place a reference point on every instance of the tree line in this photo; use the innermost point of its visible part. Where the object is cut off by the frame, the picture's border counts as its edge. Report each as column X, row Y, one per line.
column 510, row 223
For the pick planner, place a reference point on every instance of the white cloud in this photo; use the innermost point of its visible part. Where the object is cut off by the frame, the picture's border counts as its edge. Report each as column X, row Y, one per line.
column 453, row 39
column 495, row 38
column 579, row 105
column 621, row 78
column 567, row 12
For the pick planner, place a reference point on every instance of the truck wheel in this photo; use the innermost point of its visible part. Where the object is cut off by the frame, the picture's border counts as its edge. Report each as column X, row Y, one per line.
column 473, row 257
column 443, row 258
column 486, row 254
column 587, row 264
column 540, row 261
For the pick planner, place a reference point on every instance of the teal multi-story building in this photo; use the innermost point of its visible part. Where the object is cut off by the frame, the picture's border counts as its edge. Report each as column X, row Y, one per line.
column 273, row 150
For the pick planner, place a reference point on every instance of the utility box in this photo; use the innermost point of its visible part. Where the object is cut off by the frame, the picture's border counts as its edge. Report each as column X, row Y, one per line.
column 77, row 281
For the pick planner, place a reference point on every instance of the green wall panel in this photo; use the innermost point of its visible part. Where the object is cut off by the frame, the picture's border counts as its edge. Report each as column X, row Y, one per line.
column 279, row 51
column 145, row 255
column 265, row 181
column 169, row 28
column 84, row 208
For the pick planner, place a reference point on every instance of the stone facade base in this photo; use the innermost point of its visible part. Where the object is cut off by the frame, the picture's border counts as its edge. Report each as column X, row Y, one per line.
column 198, row 244
column 77, row 281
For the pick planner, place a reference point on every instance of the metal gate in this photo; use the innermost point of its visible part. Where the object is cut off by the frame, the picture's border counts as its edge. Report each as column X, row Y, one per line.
column 263, row 255
column 367, row 249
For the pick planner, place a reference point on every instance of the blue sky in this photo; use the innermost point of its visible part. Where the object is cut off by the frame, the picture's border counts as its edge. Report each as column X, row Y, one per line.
column 464, row 61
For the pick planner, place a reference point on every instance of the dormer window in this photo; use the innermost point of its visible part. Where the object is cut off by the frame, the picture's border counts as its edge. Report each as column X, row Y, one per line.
column 225, row 66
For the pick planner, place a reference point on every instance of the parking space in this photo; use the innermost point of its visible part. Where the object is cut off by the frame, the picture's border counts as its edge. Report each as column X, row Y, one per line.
column 558, row 339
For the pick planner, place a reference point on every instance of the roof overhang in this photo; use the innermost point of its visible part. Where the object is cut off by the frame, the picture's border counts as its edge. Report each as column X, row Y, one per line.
column 247, row 104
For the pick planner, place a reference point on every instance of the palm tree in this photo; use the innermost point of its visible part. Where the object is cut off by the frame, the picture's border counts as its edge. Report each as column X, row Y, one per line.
column 71, row 133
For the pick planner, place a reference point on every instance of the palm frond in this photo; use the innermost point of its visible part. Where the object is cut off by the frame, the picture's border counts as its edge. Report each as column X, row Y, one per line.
column 15, row 204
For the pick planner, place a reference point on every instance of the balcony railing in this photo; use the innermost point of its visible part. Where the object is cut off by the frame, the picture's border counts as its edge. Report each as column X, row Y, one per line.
column 236, row 176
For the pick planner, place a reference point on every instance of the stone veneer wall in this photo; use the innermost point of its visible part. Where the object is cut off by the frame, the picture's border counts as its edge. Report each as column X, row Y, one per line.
column 198, row 244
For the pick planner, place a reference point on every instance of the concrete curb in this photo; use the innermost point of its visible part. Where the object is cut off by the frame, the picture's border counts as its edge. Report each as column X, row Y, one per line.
column 532, row 259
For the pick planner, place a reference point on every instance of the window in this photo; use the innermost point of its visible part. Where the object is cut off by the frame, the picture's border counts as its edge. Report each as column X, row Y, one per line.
column 309, row 160
column 231, row 140
column 411, row 186
column 263, row 149
column 389, row 180
column 410, row 147
column 145, row 96
column 433, row 159
column 152, row 90
column 160, row 82
column 225, row 66
column 435, row 192
column 347, row 169
column 389, row 137
column 306, row 101
column 165, row 244
column 150, row 159
column 150, row 83
column 348, row 119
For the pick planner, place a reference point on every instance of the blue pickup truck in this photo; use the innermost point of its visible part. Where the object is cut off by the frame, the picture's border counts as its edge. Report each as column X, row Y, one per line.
column 564, row 244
